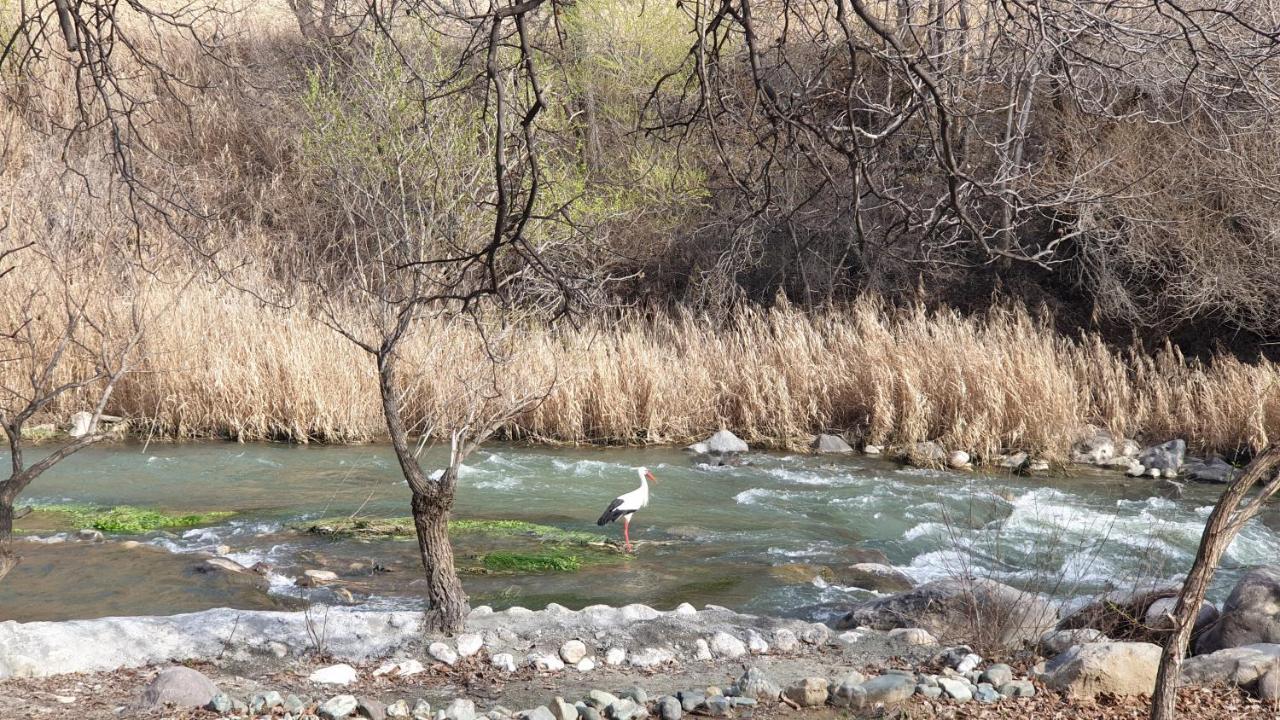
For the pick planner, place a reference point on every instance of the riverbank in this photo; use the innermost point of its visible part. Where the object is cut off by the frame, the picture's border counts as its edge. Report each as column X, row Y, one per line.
column 621, row 663
column 226, row 367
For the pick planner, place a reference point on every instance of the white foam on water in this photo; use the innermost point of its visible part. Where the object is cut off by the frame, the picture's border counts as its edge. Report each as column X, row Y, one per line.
column 927, row 529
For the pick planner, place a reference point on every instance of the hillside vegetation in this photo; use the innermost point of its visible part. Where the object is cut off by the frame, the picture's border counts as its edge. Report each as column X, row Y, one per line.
column 970, row 222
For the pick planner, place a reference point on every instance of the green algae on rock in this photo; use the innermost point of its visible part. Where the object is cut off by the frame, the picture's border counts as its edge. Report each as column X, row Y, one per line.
column 401, row 528
column 121, row 519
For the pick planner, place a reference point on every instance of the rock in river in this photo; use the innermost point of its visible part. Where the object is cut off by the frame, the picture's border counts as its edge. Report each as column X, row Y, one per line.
column 831, row 444
column 1250, row 615
column 726, row 443
column 1167, row 458
column 876, row 577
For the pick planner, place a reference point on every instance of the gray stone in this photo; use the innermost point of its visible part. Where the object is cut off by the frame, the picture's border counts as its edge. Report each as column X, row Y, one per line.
column 293, row 704
column 933, row 692
column 743, row 702
column 809, row 692
column 442, row 652
column 875, row 577
column 1120, row 613
column 1159, row 616
column 717, row 706
column 337, row 707
column 756, row 644
column 573, row 651
column 635, row 693
column 545, row 662
column 849, row 695
column 1231, row 666
column 958, row 460
column 727, row 646
column 600, row 699
column 1250, row 615
column 586, row 712
column 469, row 644
column 398, row 709
column 625, row 709
column 220, row 703
column 1096, row 447
column 1018, row 689
column 831, row 444
column 784, row 641
column 888, row 689
column 422, row 710
column 968, row 663
column 691, row 700
column 1118, row 668
column 538, row 713
column 1014, row 461
column 1268, row 688
column 371, row 709
column 180, row 687
column 816, row 634
column 1212, row 470
column 651, row 658
column 997, row 675
column 754, row 684
column 265, row 701
column 955, row 689
column 669, row 708
column 947, row 608
column 1167, row 457
column 460, row 709
column 1055, row 642
column 340, row 674
column 927, row 454
column 561, row 710
column 725, row 443
column 504, row 661
column 985, row 693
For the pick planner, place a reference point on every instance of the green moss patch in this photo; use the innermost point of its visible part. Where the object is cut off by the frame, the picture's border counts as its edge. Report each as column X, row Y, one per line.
column 401, row 528
column 517, row 562
column 122, row 519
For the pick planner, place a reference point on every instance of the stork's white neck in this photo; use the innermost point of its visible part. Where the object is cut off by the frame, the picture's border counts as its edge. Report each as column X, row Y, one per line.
column 644, row 481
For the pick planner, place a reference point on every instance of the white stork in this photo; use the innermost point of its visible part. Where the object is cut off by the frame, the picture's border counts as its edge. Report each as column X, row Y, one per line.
column 626, row 505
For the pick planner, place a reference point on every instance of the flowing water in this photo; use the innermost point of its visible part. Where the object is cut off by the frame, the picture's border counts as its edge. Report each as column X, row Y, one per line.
column 771, row 536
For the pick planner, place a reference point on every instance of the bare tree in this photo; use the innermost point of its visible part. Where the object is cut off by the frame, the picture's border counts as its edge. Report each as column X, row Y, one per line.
column 63, row 341
column 1228, row 518
column 437, row 223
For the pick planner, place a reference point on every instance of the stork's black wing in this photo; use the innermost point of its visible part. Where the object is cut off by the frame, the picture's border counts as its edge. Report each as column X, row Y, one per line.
column 611, row 513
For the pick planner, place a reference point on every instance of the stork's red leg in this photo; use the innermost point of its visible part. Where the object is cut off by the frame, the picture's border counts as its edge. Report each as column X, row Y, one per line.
column 626, row 531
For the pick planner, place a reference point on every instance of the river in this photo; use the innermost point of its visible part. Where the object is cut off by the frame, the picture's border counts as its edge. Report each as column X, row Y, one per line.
column 754, row 538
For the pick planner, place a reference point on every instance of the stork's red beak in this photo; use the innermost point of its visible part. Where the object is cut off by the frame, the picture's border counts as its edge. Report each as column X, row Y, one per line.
column 650, row 476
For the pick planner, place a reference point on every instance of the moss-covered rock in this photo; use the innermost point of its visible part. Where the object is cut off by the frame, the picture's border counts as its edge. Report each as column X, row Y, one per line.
column 401, row 528
column 121, row 519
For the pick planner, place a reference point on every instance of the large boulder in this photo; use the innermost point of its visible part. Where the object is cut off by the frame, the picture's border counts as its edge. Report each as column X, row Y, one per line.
column 725, row 443
column 1250, row 615
column 1096, row 446
column 927, row 455
column 1115, row 668
column 959, row 609
column 1235, row 666
column 178, row 687
column 1120, row 614
column 827, row 444
column 1167, row 457
column 1212, row 469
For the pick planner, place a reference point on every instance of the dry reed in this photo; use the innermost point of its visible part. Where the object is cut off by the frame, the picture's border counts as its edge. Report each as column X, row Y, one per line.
column 224, row 366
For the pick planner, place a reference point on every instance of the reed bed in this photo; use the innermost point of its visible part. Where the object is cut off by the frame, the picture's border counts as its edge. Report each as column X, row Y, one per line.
column 221, row 365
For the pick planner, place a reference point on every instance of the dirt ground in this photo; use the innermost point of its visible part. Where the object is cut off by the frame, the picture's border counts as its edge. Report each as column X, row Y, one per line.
column 111, row 695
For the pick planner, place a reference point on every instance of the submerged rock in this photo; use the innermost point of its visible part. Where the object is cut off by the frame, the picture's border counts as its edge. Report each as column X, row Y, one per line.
column 876, row 577
column 1213, row 470
column 1250, row 615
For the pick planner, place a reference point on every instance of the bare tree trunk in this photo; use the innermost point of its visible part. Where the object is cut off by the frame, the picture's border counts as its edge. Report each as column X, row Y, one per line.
column 1225, row 522
column 8, row 560
column 432, row 501
column 449, row 607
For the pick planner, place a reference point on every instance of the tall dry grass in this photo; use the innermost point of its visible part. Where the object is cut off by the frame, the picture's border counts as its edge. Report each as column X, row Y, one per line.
column 221, row 365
